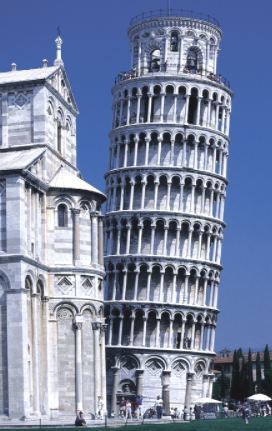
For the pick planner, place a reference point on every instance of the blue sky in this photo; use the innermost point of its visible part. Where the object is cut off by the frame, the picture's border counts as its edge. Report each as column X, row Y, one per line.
column 96, row 48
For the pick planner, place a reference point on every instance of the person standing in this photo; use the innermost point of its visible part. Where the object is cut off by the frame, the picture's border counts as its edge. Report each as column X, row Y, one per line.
column 138, row 404
column 159, row 406
column 128, row 410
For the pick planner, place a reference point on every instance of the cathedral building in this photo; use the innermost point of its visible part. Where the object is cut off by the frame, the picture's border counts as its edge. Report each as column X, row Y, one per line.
column 164, row 224
column 51, row 252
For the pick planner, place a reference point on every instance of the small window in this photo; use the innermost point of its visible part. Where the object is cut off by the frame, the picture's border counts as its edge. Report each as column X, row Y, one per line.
column 59, row 137
column 192, row 60
column 155, row 61
column 62, row 216
column 174, row 41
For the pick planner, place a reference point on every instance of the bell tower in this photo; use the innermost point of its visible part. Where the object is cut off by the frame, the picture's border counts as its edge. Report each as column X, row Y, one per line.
column 166, row 187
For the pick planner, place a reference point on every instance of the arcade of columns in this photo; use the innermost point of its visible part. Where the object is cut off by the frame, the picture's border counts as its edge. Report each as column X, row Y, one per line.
column 166, row 189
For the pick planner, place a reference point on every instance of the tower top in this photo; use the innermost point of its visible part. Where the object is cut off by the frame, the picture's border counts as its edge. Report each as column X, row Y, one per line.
column 58, row 41
column 173, row 13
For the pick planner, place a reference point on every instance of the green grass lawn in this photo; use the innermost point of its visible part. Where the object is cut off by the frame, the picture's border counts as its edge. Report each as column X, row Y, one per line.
column 237, row 424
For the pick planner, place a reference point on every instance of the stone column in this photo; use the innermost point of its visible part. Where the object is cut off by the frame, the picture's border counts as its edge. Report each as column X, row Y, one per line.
column 149, row 107
column 97, row 363
column 168, row 195
column 114, row 284
column 110, row 330
column 159, row 151
column 147, row 140
column 121, row 112
column 161, row 285
column 143, row 193
column 136, row 141
column 186, row 108
column 175, row 109
column 156, row 182
column 205, row 291
column 128, row 111
column 192, row 206
column 76, row 235
column 100, row 241
column 121, row 321
column 165, row 239
column 128, row 238
column 35, row 355
column 181, row 196
column 116, row 379
column 126, row 153
column 148, row 285
column 201, row 336
column 139, row 96
column 166, row 391
column 162, row 107
column 124, row 287
column 170, row 341
column 153, row 227
column 94, row 228
column 139, row 381
column 208, row 246
column 140, row 226
column 184, row 153
column 189, row 243
column 210, row 385
column 103, row 364
column 177, row 251
column 158, row 332
column 144, row 330
column 188, row 392
column 206, row 156
column 77, row 325
column 200, row 244
column 131, row 338
column 185, row 298
column 132, row 185
column 137, row 271
column 195, row 155
column 173, row 296
column 198, row 110
column 205, row 385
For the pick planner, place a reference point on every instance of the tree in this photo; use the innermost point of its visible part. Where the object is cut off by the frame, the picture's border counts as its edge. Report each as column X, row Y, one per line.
column 221, row 387
column 248, row 376
column 258, row 383
column 267, row 372
column 237, row 391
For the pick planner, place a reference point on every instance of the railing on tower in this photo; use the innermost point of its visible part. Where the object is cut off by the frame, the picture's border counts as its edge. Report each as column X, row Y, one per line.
column 130, row 74
column 186, row 14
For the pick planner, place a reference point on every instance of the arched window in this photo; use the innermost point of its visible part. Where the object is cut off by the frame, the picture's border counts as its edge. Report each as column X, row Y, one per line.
column 155, row 60
column 192, row 62
column 62, row 216
column 174, row 41
column 59, row 137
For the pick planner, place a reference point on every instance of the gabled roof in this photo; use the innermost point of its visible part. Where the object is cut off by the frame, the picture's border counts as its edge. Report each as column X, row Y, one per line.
column 19, row 159
column 27, row 75
column 41, row 73
column 66, row 180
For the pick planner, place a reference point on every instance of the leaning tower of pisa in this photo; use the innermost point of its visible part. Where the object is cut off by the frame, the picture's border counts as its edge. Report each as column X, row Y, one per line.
column 164, row 225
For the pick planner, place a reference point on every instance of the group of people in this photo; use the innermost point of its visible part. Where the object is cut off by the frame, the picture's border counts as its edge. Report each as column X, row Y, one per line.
column 129, row 408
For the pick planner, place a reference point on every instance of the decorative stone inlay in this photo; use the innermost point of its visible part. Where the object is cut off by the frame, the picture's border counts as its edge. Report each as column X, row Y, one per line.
column 64, row 314
column 64, row 283
column 179, row 368
column 154, row 367
column 21, row 100
column 87, row 284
